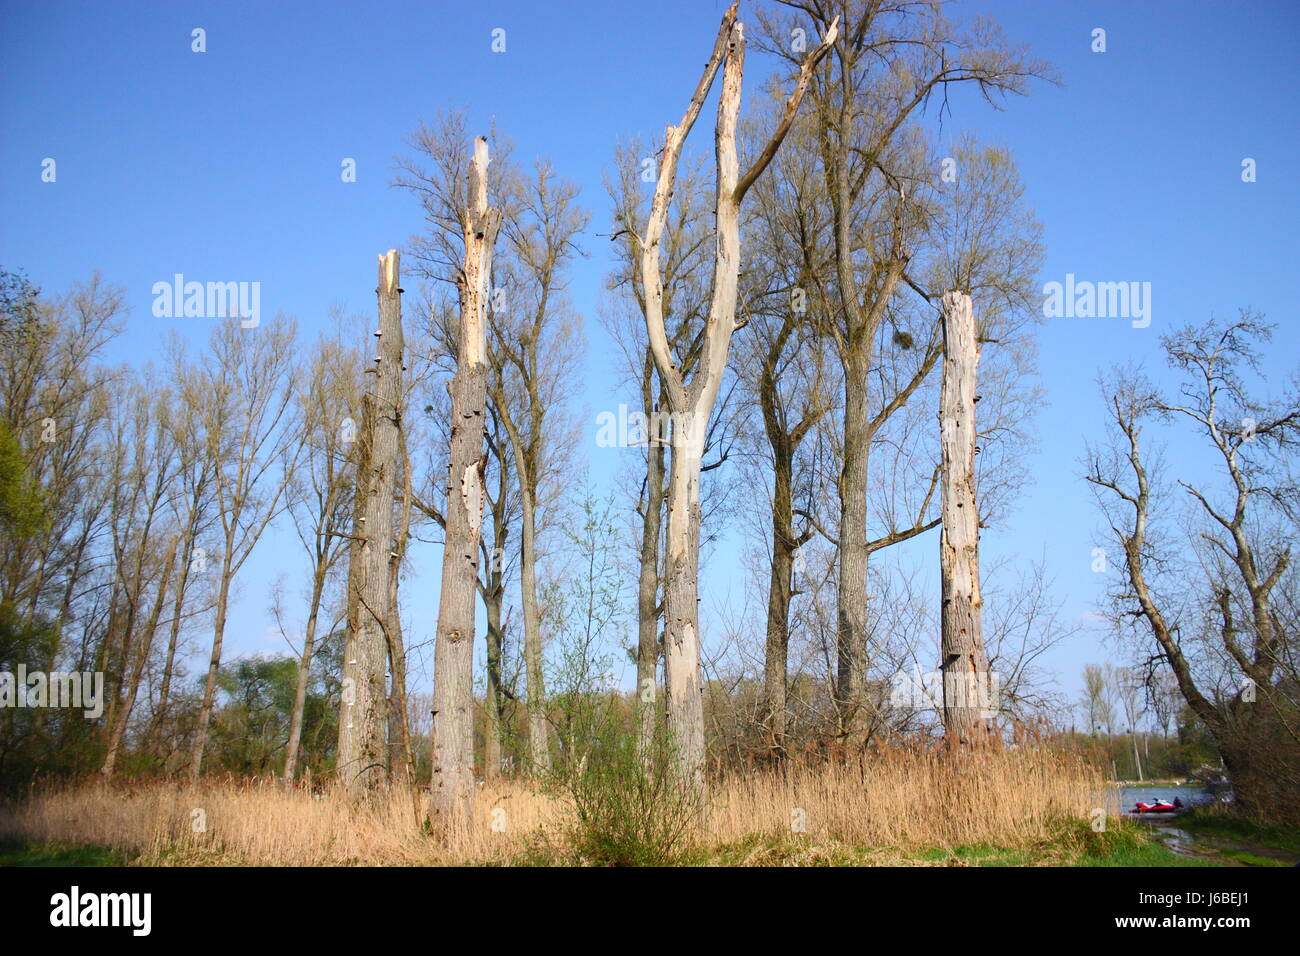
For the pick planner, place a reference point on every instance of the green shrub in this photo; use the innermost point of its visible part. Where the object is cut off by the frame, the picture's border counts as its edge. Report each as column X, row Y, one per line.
column 628, row 808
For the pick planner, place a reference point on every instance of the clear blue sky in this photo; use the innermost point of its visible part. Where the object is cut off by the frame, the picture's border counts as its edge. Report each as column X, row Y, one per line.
column 225, row 165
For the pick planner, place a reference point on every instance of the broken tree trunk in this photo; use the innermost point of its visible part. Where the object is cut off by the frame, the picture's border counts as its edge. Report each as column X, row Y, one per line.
column 451, row 795
column 967, row 688
column 691, row 404
column 363, row 738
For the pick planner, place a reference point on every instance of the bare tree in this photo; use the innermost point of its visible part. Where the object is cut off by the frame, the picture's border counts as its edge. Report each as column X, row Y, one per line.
column 242, row 392
column 1218, row 630
column 1096, row 699
column 193, row 517
column 143, row 463
column 691, row 404
column 683, row 278
column 887, row 63
column 1129, row 690
column 536, row 341
column 319, row 502
column 785, row 374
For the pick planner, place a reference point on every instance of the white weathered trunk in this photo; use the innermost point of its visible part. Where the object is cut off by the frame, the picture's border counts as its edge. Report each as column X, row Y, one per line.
column 966, row 678
column 692, row 404
column 683, row 691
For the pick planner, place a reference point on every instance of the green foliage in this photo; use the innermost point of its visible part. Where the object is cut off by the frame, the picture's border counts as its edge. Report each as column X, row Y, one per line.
column 585, row 616
column 630, row 807
column 22, row 504
column 250, row 730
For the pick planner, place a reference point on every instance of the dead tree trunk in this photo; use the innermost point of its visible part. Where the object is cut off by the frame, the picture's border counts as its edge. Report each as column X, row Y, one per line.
column 363, row 744
column 966, row 683
column 451, row 797
column 691, row 404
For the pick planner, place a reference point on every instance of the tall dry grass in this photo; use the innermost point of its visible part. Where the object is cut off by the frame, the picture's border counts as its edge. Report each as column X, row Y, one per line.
column 262, row 822
column 916, row 798
column 899, row 798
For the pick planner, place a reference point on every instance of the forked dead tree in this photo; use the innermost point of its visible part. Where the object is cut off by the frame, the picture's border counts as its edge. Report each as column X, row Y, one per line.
column 965, row 661
column 451, row 796
column 372, row 612
column 691, row 403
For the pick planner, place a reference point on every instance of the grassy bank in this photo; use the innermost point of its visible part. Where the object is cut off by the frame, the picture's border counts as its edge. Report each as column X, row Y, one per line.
column 1233, row 835
column 1019, row 808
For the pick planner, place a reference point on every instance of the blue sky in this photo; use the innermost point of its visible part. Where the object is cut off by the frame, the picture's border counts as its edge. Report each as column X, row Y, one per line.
column 225, row 165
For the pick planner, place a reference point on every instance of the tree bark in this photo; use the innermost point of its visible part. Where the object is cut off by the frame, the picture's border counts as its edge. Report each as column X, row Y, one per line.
column 304, row 672
column 647, row 652
column 400, row 758
column 363, row 750
column 451, row 799
column 683, row 690
column 539, row 748
column 494, row 592
column 692, row 405
column 966, row 680
column 779, row 592
column 214, row 665
column 492, row 600
column 851, row 607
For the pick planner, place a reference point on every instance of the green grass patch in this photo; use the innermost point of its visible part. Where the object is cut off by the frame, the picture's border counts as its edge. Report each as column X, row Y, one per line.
column 1222, row 822
column 15, row 853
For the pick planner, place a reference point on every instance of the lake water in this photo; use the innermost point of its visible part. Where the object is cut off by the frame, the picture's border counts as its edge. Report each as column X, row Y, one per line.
column 1192, row 796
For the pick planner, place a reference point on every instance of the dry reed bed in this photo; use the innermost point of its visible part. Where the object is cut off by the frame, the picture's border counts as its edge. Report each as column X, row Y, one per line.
column 263, row 823
column 916, row 798
column 893, row 799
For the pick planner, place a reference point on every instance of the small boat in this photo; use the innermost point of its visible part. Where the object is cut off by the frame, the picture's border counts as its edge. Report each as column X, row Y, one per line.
column 1159, row 806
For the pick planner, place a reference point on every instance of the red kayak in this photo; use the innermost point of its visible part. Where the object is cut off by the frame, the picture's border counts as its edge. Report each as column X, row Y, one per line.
column 1160, row 806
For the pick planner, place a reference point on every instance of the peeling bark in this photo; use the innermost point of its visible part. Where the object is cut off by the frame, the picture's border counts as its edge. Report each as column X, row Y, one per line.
column 451, row 798
column 966, row 681
column 363, row 738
